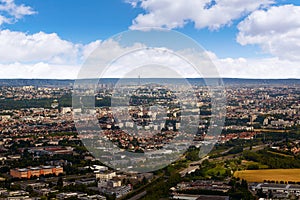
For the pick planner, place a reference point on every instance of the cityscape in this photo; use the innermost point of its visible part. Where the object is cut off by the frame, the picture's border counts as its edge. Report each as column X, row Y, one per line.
column 255, row 156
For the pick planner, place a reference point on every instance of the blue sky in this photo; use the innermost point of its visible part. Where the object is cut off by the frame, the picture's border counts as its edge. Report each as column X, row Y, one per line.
column 235, row 34
column 77, row 21
column 84, row 22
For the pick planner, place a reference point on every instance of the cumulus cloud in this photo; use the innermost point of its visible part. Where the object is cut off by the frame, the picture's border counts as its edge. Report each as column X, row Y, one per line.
column 276, row 30
column 39, row 70
column 22, row 47
column 11, row 12
column 227, row 67
column 203, row 13
column 42, row 47
column 40, row 55
column 263, row 68
column 43, row 55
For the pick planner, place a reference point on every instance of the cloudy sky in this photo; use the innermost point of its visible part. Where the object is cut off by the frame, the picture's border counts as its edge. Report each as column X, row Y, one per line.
column 244, row 38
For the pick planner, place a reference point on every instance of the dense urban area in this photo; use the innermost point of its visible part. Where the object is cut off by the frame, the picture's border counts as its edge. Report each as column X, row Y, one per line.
column 257, row 155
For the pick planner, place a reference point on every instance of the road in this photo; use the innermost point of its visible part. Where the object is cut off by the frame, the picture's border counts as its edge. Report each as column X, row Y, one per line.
column 193, row 166
column 231, row 156
column 138, row 196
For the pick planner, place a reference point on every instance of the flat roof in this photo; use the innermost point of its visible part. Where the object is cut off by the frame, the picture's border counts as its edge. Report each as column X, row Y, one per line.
column 47, row 167
column 274, row 185
column 35, row 168
column 294, row 187
column 22, row 170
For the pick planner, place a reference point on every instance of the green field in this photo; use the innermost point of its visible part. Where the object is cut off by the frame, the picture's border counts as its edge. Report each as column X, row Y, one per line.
column 269, row 174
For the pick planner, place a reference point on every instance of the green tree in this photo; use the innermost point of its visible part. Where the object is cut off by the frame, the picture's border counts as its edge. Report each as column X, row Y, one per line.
column 60, row 183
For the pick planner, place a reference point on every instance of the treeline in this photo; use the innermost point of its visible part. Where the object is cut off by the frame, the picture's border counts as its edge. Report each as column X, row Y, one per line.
column 274, row 161
column 161, row 187
column 239, row 190
column 64, row 101
column 10, row 104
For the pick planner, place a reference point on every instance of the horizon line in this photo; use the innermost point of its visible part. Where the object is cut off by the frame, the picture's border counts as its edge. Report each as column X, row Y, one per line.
column 69, row 79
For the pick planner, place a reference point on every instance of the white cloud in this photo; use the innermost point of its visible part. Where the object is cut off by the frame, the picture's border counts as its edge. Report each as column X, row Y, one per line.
column 89, row 48
column 204, row 13
column 40, row 55
column 276, row 30
column 228, row 67
column 11, row 12
column 44, row 55
column 262, row 68
column 133, row 3
column 39, row 70
column 3, row 20
column 42, row 47
column 21, row 47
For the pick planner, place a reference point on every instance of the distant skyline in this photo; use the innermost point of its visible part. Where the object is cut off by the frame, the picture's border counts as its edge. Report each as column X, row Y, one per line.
column 244, row 38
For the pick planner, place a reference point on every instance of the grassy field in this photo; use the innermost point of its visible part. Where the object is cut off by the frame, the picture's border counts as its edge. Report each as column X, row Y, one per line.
column 269, row 174
column 246, row 163
column 280, row 154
